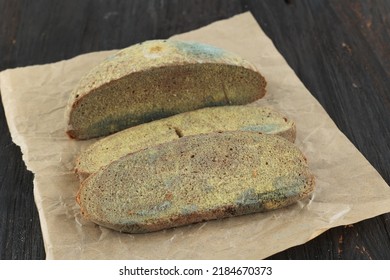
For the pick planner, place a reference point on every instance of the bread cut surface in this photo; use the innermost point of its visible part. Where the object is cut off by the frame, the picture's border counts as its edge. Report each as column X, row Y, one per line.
column 224, row 118
column 194, row 179
column 157, row 79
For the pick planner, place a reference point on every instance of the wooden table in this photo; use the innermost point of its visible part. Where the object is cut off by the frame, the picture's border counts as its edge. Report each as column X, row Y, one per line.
column 339, row 49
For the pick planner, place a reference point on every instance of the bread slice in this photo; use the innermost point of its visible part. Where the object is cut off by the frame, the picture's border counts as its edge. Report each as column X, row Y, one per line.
column 157, row 79
column 194, row 179
column 200, row 121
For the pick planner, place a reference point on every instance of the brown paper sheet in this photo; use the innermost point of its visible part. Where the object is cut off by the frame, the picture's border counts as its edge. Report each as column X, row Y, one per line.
column 348, row 188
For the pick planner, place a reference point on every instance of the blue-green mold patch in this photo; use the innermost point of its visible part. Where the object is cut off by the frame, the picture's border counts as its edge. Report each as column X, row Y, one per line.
column 200, row 50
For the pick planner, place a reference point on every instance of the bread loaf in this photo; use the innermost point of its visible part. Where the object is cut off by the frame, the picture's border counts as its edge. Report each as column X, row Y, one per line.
column 224, row 118
column 157, row 79
column 194, row 179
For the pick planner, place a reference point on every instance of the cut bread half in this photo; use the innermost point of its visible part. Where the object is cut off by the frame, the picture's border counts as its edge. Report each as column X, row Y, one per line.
column 194, row 179
column 224, row 118
column 157, row 79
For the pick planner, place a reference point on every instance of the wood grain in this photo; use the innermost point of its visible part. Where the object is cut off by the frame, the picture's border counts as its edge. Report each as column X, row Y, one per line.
column 341, row 53
column 339, row 49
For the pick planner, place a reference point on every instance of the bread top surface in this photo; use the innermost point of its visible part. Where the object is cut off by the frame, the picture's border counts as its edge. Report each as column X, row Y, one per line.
column 193, row 175
column 225, row 118
column 154, row 54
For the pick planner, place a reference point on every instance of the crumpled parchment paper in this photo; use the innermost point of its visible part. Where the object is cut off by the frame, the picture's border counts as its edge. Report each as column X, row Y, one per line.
column 348, row 188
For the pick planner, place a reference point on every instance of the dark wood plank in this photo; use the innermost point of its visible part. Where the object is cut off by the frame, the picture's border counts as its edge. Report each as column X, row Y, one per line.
column 43, row 31
column 339, row 49
column 20, row 233
column 341, row 52
column 332, row 54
